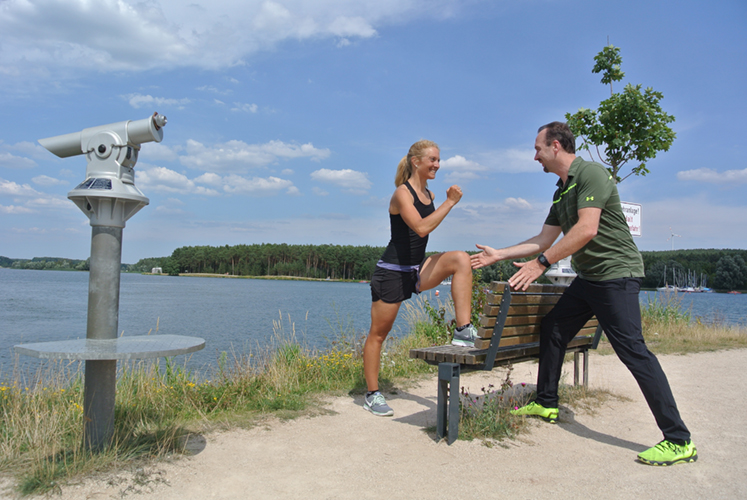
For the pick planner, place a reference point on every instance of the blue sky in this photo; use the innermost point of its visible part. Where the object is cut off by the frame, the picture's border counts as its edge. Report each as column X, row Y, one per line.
column 286, row 119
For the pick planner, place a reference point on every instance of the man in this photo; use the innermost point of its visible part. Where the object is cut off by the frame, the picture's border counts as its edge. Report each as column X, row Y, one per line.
column 586, row 208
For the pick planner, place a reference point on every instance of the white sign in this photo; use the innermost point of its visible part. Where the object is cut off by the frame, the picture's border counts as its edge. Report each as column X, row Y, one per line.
column 632, row 213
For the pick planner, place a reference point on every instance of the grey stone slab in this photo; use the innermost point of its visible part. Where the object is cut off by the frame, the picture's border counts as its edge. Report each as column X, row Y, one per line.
column 140, row 347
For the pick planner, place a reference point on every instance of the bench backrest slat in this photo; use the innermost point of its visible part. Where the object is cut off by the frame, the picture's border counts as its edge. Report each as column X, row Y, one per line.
column 521, row 327
column 492, row 310
column 528, row 333
column 518, row 298
column 488, row 322
column 500, row 287
column 533, row 335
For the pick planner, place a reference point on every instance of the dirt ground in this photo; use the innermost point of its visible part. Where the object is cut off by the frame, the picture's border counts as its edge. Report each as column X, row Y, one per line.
column 350, row 453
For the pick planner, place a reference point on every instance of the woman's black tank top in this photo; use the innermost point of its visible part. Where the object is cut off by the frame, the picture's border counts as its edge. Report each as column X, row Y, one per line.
column 405, row 247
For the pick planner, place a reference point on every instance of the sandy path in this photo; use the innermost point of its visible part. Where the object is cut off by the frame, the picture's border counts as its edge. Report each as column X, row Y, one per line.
column 352, row 454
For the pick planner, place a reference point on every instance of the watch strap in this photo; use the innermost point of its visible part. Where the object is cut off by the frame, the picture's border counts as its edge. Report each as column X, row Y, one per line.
column 543, row 260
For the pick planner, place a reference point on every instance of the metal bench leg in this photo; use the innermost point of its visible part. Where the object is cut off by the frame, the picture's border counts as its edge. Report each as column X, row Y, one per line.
column 447, row 412
column 586, row 369
column 575, row 368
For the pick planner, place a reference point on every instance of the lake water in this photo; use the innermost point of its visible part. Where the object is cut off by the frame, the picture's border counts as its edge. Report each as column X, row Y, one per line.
column 232, row 315
column 709, row 308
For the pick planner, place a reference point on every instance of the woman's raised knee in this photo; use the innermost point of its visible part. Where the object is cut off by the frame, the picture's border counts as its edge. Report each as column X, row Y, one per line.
column 461, row 260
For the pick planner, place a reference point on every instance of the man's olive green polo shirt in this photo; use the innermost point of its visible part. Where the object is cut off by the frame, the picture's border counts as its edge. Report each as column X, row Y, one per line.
column 611, row 254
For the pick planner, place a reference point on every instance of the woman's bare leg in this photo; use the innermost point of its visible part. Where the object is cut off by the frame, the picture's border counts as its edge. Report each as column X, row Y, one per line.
column 438, row 267
column 382, row 319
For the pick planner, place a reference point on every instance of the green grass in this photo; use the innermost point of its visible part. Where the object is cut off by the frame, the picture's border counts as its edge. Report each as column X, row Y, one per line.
column 486, row 415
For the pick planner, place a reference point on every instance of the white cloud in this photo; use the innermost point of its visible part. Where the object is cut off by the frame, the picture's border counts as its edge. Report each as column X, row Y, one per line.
column 164, row 180
column 138, row 101
column 258, row 186
column 347, row 179
column 238, row 156
column 214, row 90
column 28, row 199
column 154, row 151
column 347, row 27
column 512, row 160
column 31, row 149
column 161, row 209
column 508, row 161
column 518, row 204
column 10, row 188
column 116, row 35
column 714, row 177
column 51, row 202
column 319, row 191
column 108, row 35
column 171, row 206
column 45, row 180
column 210, row 179
column 15, row 210
column 518, row 208
column 8, row 160
column 246, row 108
column 459, row 168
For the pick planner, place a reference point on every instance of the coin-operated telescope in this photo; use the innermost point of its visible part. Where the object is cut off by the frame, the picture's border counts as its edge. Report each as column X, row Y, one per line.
column 108, row 195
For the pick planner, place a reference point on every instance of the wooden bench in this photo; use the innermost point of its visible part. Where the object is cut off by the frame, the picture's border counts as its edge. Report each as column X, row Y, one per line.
column 509, row 332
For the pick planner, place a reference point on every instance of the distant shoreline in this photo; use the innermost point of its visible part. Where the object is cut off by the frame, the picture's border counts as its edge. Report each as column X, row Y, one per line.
column 268, row 277
column 213, row 275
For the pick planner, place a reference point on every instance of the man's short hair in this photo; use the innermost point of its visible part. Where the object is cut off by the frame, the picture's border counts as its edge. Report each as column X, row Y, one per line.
column 559, row 131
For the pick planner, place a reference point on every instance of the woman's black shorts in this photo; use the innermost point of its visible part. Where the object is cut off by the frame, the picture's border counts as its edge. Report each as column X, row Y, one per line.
column 394, row 286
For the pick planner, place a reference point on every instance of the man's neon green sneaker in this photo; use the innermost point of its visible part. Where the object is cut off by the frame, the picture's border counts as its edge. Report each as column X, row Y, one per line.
column 669, row 453
column 534, row 409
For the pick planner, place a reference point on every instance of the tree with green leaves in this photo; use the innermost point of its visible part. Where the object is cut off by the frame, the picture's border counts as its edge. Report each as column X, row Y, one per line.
column 731, row 272
column 629, row 126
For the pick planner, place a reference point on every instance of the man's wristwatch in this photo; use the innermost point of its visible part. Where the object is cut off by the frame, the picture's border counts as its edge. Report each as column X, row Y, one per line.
column 543, row 260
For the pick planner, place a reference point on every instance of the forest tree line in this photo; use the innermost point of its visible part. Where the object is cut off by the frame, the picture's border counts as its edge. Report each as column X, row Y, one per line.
column 715, row 268
column 46, row 263
column 718, row 269
column 344, row 262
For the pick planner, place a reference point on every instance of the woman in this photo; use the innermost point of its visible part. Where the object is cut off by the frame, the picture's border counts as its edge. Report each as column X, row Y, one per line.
column 403, row 269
